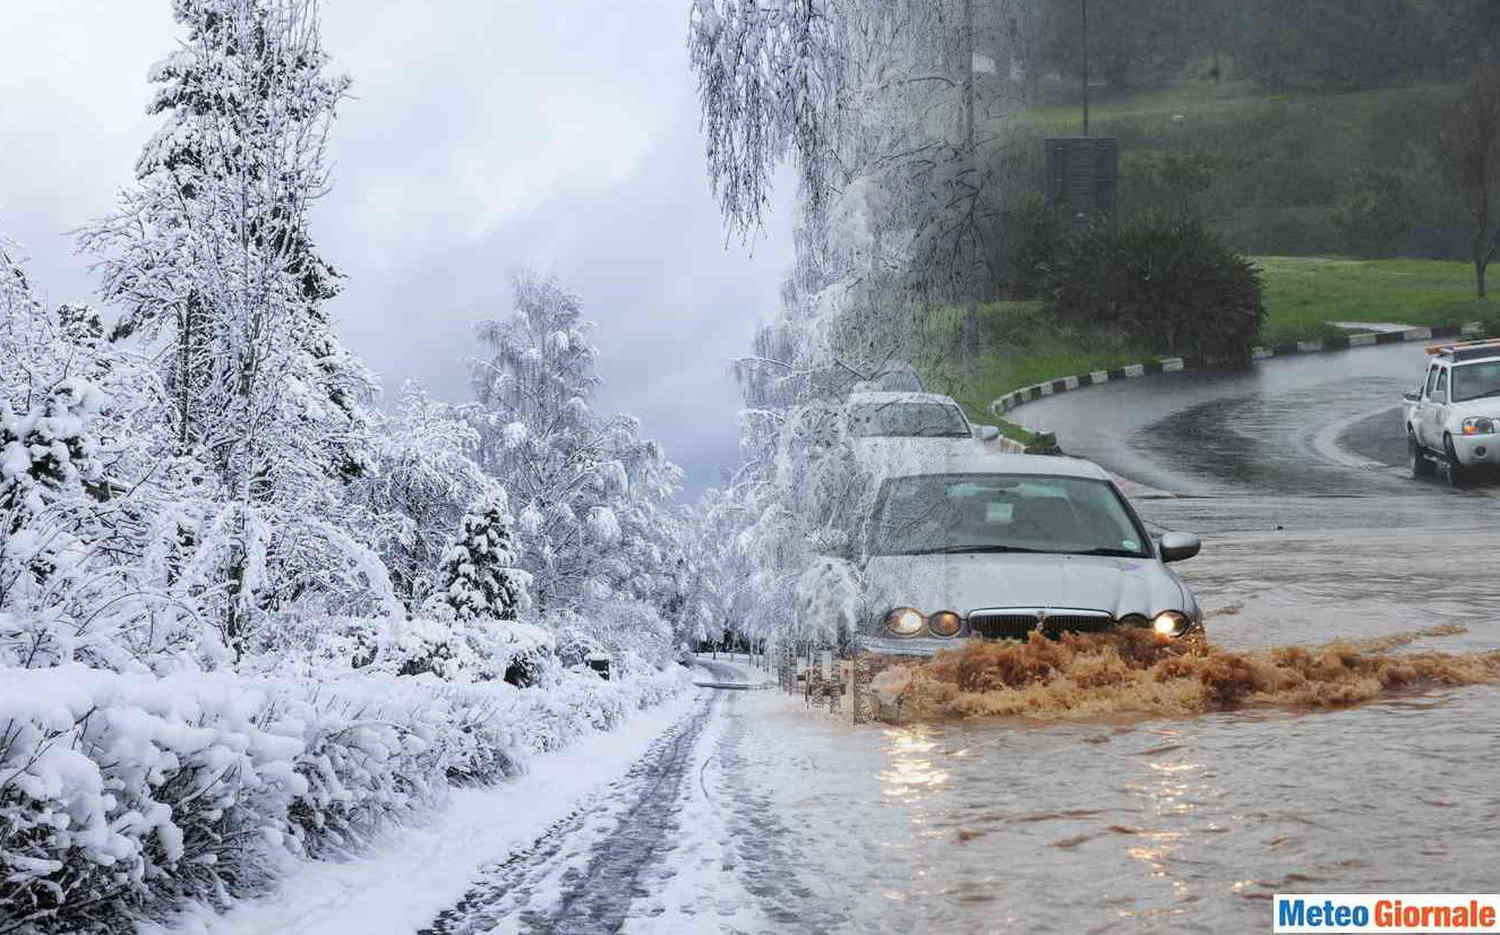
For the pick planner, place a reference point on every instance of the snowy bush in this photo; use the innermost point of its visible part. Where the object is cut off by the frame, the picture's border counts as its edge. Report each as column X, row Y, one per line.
column 129, row 789
column 128, row 792
column 366, row 762
column 631, row 632
column 440, row 647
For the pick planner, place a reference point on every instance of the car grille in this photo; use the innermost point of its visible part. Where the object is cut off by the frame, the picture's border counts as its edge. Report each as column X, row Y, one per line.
column 1016, row 623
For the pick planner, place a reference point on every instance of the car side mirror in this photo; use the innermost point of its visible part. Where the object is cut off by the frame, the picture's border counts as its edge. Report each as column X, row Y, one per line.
column 1411, row 397
column 1179, row 546
column 988, row 433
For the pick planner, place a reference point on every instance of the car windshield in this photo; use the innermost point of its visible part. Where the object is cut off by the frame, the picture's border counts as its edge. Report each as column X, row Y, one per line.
column 929, row 420
column 900, row 381
column 1001, row 513
column 1472, row 381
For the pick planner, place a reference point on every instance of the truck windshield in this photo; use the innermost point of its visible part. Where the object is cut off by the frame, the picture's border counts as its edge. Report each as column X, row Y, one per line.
column 1472, row 381
column 1003, row 513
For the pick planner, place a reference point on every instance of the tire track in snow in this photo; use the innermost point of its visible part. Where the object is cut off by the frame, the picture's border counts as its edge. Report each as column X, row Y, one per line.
column 589, row 892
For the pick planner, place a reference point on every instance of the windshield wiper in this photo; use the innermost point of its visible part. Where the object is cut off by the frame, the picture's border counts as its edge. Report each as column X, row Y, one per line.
column 1121, row 553
column 958, row 549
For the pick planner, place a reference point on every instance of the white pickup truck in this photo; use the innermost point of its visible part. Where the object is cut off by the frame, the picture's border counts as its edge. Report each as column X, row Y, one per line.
column 1453, row 418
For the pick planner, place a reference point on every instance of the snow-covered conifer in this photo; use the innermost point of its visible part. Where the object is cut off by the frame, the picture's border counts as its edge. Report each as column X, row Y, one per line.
column 211, row 255
column 480, row 580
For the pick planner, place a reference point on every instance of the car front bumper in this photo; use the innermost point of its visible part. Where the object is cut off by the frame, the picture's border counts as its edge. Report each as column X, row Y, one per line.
column 915, row 646
column 1476, row 450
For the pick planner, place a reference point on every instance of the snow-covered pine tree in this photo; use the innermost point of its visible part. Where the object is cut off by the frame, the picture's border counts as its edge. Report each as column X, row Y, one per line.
column 480, row 580
column 210, row 253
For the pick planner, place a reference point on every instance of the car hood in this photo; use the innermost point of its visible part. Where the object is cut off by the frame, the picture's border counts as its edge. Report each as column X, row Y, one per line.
column 966, row 582
column 1487, row 406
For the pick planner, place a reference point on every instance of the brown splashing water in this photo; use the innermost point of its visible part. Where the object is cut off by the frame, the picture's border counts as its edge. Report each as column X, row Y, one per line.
column 1135, row 672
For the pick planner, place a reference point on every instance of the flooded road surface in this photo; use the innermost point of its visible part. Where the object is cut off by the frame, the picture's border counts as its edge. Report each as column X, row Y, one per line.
column 1180, row 825
column 1294, row 475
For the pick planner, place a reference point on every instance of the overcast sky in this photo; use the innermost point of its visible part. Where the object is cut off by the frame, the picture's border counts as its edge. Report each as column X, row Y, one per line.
column 483, row 135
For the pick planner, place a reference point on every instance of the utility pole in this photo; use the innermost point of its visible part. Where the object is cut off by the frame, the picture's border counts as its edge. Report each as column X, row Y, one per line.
column 969, row 328
column 1085, row 6
column 969, row 83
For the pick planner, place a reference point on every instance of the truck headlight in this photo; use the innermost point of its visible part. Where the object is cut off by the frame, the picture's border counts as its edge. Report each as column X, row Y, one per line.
column 1169, row 623
column 1478, row 425
column 905, row 621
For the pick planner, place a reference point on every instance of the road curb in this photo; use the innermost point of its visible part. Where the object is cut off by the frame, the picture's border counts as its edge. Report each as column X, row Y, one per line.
column 1067, row 384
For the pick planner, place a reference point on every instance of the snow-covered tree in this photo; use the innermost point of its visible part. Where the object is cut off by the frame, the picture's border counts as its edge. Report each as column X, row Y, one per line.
column 422, row 482
column 570, row 472
column 770, row 80
column 211, row 256
column 480, row 580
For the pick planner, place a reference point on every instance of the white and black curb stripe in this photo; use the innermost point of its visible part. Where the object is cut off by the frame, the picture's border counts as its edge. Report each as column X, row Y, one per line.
column 1026, row 394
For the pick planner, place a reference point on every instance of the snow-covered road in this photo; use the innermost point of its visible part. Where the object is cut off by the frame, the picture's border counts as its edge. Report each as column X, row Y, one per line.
column 687, row 840
column 590, row 871
column 658, row 827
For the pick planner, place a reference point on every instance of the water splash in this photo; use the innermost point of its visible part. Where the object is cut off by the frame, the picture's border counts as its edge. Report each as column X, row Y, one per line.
column 1135, row 672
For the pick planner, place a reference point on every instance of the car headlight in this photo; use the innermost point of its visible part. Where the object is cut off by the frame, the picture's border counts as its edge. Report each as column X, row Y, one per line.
column 944, row 623
column 1134, row 620
column 1170, row 623
column 905, row 621
column 1478, row 425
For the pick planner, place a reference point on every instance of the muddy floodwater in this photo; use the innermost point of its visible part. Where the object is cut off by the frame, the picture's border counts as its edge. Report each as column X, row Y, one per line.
column 1181, row 824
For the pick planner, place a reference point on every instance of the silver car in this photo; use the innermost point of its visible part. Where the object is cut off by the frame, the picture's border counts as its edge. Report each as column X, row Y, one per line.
column 996, row 546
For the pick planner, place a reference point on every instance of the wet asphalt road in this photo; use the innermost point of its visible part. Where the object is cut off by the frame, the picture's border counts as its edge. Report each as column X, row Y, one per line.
column 1306, row 425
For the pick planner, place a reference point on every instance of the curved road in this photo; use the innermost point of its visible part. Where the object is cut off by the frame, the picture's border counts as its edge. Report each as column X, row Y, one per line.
column 1310, row 424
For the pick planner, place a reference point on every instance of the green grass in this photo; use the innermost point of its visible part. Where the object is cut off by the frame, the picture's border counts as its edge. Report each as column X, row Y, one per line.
column 1196, row 99
column 1018, row 348
column 1021, row 347
column 1197, row 102
column 1303, row 294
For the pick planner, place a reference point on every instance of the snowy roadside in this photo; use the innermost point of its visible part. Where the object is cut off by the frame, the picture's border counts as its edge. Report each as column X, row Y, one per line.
column 413, row 872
